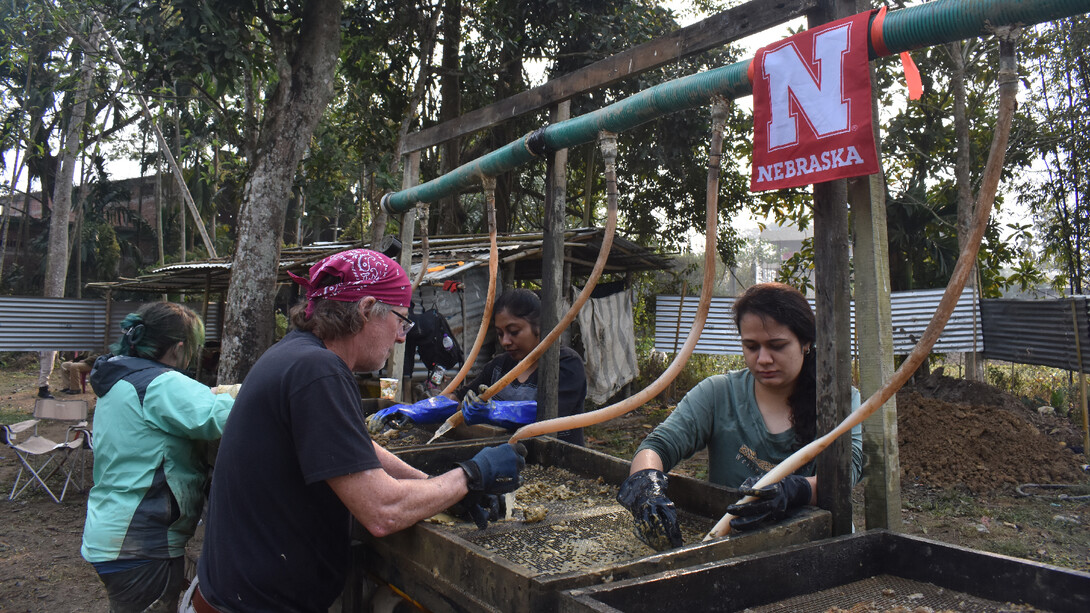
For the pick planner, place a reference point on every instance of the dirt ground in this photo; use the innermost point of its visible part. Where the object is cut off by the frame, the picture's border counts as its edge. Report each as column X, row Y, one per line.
column 965, row 448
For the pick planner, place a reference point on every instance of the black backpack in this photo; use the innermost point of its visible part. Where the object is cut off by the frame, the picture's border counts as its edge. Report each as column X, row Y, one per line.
column 432, row 339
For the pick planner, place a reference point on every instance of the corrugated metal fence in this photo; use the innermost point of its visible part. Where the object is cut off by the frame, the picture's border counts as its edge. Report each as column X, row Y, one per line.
column 64, row 324
column 911, row 313
column 1052, row 333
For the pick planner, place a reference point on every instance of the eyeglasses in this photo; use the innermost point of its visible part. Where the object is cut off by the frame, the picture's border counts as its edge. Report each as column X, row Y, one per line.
column 406, row 323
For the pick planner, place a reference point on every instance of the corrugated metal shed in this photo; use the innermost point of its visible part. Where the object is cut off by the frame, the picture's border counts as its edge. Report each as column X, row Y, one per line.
column 63, row 324
column 47, row 324
column 1045, row 332
column 911, row 312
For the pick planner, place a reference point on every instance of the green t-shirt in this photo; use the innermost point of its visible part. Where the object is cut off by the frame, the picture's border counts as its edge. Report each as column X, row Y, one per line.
column 721, row 413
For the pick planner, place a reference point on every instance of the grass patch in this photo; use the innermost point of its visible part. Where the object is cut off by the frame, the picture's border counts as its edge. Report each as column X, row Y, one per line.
column 1013, row 548
column 951, row 503
column 10, row 416
column 617, row 443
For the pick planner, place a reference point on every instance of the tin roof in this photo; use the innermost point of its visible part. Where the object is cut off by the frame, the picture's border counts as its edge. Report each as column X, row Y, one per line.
column 448, row 257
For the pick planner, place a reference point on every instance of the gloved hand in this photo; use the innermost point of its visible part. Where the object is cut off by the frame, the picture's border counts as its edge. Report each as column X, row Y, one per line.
column 510, row 414
column 472, row 403
column 772, row 504
column 404, row 416
column 231, row 390
column 495, row 470
column 390, row 417
column 483, row 508
column 644, row 494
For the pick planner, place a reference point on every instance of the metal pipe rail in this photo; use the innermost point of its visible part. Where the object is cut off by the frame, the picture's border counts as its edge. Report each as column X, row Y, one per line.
column 924, row 25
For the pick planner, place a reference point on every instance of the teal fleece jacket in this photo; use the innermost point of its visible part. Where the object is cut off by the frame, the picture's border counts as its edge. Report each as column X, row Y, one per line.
column 150, row 469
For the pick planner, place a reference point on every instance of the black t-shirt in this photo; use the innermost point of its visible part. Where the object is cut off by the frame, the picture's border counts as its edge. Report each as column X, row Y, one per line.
column 277, row 535
column 571, row 394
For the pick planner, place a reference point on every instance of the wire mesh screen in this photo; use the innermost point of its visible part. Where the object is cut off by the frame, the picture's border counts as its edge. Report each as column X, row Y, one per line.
column 889, row 594
column 562, row 522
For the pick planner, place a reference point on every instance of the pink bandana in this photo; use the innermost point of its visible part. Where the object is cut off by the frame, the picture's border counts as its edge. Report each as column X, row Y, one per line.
column 351, row 275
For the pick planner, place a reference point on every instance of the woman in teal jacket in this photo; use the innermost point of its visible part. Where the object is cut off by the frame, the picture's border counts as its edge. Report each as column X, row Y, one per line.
column 150, row 471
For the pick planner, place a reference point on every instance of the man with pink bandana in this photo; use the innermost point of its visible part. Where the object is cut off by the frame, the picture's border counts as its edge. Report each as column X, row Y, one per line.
column 296, row 462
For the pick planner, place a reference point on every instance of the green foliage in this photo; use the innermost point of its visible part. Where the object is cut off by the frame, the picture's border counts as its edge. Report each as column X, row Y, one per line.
column 919, row 150
column 281, row 326
column 1058, row 194
column 1037, row 385
column 107, row 251
column 798, row 270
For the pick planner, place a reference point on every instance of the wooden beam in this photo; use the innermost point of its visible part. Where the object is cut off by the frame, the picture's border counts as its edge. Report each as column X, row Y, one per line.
column 874, row 329
column 552, row 269
column 395, row 364
column 715, row 31
column 833, row 311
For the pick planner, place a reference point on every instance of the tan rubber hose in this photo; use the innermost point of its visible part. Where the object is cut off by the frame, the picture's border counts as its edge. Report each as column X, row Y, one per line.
column 608, row 144
column 1008, row 88
column 457, row 418
column 422, row 216
column 582, row 420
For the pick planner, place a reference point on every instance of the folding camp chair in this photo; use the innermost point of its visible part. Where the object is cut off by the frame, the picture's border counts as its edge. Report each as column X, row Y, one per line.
column 43, row 458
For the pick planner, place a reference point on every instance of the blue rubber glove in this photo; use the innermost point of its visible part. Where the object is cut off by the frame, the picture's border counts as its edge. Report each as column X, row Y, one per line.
column 773, row 502
column 643, row 493
column 404, row 416
column 495, row 470
column 510, row 414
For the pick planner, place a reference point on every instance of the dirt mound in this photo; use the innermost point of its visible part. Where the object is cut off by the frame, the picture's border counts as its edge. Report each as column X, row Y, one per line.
column 984, row 442
column 938, row 386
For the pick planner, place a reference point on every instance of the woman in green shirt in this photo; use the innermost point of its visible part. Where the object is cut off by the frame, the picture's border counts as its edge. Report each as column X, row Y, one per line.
column 750, row 420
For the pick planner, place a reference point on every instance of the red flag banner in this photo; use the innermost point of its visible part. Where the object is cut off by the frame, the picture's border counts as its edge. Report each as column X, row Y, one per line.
column 812, row 107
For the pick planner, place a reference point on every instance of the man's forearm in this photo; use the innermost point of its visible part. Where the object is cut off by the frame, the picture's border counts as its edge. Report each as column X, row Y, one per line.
column 396, row 467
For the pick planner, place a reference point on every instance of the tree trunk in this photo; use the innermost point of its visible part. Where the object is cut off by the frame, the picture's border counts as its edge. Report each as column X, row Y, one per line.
column 510, row 83
column 974, row 365
column 291, row 115
column 179, row 188
column 427, row 42
column 56, row 261
column 451, row 216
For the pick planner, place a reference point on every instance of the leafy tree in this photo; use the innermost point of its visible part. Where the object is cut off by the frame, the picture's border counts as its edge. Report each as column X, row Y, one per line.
column 1058, row 194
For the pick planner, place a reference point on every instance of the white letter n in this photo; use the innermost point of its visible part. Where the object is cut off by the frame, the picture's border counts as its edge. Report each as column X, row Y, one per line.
column 820, row 98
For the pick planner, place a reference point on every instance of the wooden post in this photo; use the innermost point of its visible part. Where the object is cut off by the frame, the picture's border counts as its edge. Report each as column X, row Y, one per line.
column 873, row 323
column 507, row 277
column 874, row 329
column 552, row 269
column 109, row 314
column 204, row 320
column 833, row 345
column 1082, row 380
column 395, row 365
column 833, row 313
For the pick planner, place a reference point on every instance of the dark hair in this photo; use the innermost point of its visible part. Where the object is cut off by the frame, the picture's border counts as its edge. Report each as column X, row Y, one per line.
column 154, row 328
column 521, row 303
column 789, row 307
column 332, row 318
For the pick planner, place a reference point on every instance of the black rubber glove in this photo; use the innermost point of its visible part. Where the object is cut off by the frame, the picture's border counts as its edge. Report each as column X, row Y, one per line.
column 495, row 470
column 644, row 495
column 483, row 508
column 772, row 504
